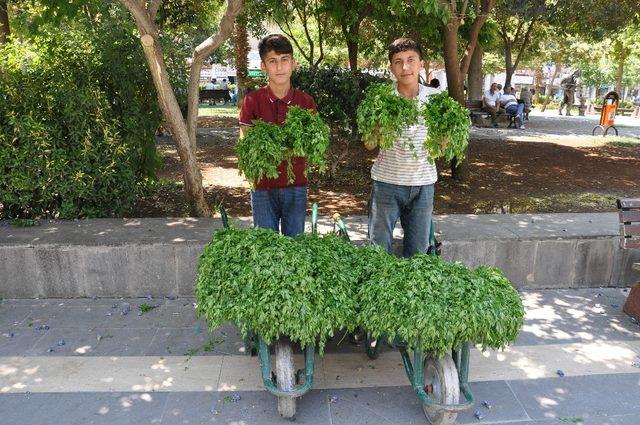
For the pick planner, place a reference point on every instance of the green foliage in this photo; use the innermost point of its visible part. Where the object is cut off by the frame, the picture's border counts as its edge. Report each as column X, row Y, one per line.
column 61, row 151
column 260, row 151
column 444, row 305
column 306, row 287
column 266, row 145
column 383, row 115
column 303, row 288
column 445, row 117
column 336, row 91
column 307, row 135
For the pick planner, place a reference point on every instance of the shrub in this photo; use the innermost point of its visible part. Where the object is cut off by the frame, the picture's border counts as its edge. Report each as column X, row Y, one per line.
column 61, row 150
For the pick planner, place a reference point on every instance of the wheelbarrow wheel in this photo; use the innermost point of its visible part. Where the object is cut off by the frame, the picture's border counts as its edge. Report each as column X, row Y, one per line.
column 285, row 378
column 441, row 382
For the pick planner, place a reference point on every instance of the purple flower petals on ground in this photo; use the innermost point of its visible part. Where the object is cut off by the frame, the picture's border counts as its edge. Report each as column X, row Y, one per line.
column 236, row 397
column 50, row 350
column 333, row 399
column 42, row 328
column 61, row 343
column 487, row 404
column 478, row 415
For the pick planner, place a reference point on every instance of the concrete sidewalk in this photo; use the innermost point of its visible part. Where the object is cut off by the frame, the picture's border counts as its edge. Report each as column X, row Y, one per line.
column 158, row 256
column 87, row 361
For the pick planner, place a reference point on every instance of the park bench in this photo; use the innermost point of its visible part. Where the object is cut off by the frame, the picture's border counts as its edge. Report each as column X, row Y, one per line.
column 629, row 211
column 620, row 111
column 221, row 95
column 480, row 118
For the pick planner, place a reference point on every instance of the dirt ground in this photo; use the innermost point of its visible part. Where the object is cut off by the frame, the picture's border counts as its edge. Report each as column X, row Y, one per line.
column 504, row 176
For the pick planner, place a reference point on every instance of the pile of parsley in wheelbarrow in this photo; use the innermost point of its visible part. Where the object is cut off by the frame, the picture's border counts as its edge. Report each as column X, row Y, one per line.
column 302, row 288
column 309, row 286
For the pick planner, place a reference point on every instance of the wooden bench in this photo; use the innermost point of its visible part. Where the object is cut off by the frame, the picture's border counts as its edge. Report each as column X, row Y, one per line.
column 480, row 118
column 620, row 111
column 221, row 95
column 629, row 211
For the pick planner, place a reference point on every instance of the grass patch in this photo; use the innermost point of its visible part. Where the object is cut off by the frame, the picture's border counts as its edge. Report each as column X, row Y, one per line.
column 145, row 308
column 622, row 141
column 569, row 202
column 215, row 110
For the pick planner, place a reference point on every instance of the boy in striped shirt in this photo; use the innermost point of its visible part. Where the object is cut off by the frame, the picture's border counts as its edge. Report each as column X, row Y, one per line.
column 403, row 178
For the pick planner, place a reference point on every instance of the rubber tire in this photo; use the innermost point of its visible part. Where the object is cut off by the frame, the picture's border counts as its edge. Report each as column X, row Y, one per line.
column 443, row 375
column 286, row 378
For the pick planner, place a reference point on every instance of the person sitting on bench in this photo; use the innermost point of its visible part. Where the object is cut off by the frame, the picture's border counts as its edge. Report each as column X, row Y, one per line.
column 512, row 107
column 490, row 102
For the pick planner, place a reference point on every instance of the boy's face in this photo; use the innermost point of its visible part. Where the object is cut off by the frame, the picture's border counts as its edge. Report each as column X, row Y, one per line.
column 406, row 66
column 278, row 67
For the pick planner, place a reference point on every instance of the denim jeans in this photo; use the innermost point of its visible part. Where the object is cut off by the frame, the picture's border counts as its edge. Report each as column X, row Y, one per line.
column 413, row 205
column 280, row 209
column 517, row 110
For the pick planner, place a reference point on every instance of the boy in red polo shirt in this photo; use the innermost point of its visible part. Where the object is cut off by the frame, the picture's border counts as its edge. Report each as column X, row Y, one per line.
column 276, row 203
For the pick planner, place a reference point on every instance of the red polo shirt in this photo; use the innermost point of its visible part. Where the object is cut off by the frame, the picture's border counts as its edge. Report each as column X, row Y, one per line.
column 263, row 104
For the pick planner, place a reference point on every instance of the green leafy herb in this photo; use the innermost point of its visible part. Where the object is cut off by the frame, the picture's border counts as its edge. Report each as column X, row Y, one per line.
column 306, row 287
column 303, row 288
column 266, row 145
column 445, row 117
column 261, row 151
column 383, row 115
column 307, row 135
column 444, row 305
column 146, row 307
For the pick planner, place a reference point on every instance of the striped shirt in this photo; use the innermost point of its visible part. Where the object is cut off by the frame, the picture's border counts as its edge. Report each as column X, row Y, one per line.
column 401, row 165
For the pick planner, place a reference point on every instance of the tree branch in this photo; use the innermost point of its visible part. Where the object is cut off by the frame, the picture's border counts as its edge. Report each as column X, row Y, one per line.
column 144, row 24
column 152, row 8
column 525, row 42
column 474, row 31
column 203, row 51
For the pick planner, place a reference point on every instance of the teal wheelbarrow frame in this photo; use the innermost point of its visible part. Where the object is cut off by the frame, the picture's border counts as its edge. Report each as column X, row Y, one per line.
column 285, row 381
column 437, row 381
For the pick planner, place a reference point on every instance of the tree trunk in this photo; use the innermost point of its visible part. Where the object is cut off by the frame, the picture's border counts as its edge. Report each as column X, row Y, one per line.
column 183, row 132
column 352, row 48
column 537, row 82
column 508, row 63
column 172, row 114
column 619, row 76
column 451, row 64
column 241, row 48
column 5, row 31
column 549, row 90
column 475, row 75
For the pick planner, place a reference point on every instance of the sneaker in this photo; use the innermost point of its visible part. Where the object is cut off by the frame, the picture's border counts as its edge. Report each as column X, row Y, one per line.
column 521, row 127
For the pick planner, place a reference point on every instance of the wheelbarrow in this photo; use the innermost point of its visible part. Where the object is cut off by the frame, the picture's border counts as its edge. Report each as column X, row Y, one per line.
column 285, row 382
column 437, row 381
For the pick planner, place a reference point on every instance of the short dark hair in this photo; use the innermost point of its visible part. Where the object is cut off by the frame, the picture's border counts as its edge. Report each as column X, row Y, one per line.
column 403, row 45
column 275, row 42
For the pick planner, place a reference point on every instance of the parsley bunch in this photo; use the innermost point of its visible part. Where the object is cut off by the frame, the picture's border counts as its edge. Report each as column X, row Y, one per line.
column 443, row 304
column 303, row 288
column 444, row 116
column 260, row 151
column 383, row 115
column 266, row 145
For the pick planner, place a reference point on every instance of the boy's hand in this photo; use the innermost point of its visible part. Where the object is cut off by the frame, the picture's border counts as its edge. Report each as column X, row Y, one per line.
column 372, row 143
column 443, row 142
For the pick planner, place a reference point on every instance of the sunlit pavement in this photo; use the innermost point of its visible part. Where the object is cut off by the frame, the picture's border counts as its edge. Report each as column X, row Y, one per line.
column 87, row 361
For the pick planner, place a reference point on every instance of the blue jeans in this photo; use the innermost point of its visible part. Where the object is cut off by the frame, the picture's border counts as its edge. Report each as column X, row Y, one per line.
column 517, row 110
column 280, row 209
column 413, row 205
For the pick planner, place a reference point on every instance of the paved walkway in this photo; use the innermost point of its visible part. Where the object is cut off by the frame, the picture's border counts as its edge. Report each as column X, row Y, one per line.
column 551, row 127
column 81, row 361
